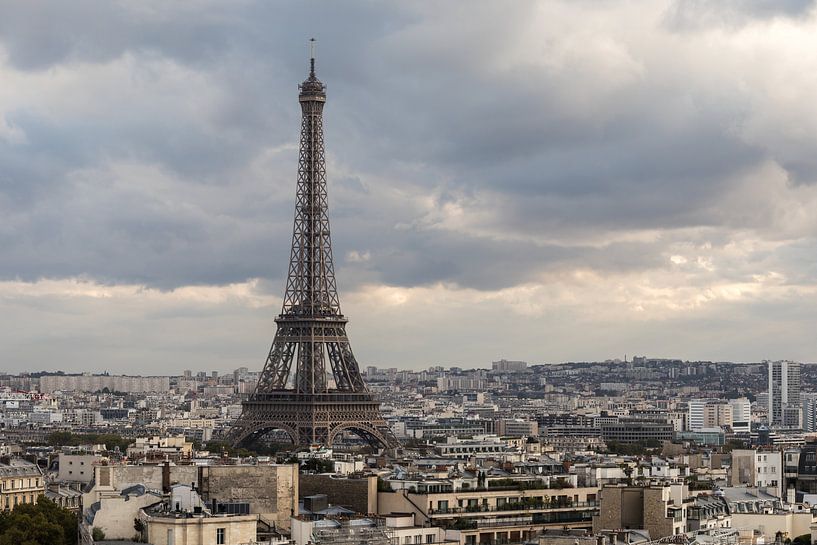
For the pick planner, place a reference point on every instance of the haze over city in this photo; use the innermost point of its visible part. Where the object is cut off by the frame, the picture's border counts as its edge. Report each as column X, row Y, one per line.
column 561, row 181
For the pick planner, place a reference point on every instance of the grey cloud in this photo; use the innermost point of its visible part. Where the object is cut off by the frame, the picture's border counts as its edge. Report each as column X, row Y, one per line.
column 412, row 105
column 695, row 14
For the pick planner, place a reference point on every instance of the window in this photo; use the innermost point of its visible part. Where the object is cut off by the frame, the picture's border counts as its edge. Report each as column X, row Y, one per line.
column 429, row 538
column 418, row 539
column 220, row 536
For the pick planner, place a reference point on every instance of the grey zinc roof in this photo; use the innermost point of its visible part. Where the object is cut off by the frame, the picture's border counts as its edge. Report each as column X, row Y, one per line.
column 19, row 468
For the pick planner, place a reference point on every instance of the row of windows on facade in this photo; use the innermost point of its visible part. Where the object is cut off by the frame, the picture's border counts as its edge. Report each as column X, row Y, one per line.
column 442, row 505
column 221, row 536
column 498, row 448
column 416, row 540
column 10, row 485
column 501, row 537
column 14, row 501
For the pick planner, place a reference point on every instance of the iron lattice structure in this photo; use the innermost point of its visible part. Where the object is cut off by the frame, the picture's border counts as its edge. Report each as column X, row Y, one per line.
column 302, row 401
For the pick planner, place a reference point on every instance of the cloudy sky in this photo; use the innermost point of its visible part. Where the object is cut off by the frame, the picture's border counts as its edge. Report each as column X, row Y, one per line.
column 546, row 181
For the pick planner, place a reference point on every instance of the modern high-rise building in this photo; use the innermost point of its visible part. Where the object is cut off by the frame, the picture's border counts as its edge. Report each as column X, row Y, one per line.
column 741, row 414
column 695, row 408
column 709, row 413
column 809, row 408
column 509, row 366
column 784, row 393
column 717, row 414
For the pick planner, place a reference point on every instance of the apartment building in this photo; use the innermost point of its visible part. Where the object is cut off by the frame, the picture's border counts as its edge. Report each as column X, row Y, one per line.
column 496, row 513
column 758, row 468
column 21, row 482
column 658, row 508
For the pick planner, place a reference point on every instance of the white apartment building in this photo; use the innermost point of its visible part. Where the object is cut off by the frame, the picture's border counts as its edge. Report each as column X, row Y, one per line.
column 769, row 467
column 809, row 410
column 94, row 383
column 784, row 393
column 709, row 413
column 758, row 468
column 741, row 415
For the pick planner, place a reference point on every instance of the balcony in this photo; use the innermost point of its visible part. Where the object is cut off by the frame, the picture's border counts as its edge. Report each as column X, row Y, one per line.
column 515, row 507
column 554, row 517
column 517, row 486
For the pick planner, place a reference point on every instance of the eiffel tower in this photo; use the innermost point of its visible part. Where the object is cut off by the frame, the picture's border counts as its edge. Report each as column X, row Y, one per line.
column 311, row 328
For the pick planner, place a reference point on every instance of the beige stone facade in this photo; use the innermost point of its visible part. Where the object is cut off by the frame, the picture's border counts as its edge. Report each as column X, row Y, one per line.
column 201, row 530
column 360, row 495
column 114, row 513
column 659, row 509
column 496, row 515
column 270, row 490
column 21, row 482
column 77, row 467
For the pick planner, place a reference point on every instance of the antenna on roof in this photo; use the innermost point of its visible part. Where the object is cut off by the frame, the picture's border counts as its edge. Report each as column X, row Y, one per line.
column 312, row 56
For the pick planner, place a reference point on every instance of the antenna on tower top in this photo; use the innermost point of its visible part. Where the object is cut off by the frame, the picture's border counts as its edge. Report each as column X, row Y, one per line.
column 312, row 56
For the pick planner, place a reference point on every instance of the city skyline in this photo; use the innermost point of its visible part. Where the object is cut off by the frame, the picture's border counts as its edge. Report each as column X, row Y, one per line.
column 564, row 182
column 206, row 373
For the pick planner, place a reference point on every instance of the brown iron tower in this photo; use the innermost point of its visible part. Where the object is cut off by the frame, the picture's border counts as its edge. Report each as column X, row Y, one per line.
column 324, row 394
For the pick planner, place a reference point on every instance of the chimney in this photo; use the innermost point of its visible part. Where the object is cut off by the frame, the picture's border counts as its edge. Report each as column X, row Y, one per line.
column 166, row 477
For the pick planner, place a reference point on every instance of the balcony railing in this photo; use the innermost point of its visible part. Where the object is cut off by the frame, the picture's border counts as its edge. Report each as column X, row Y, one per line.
column 521, row 486
column 553, row 517
column 510, row 507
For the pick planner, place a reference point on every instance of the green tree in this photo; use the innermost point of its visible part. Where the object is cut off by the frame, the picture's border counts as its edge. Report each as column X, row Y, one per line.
column 733, row 444
column 98, row 534
column 319, row 466
column 66, row 438
column 44, row 523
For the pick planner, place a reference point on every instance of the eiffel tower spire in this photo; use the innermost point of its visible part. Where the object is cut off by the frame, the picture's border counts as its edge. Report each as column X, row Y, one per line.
column 294, row 393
